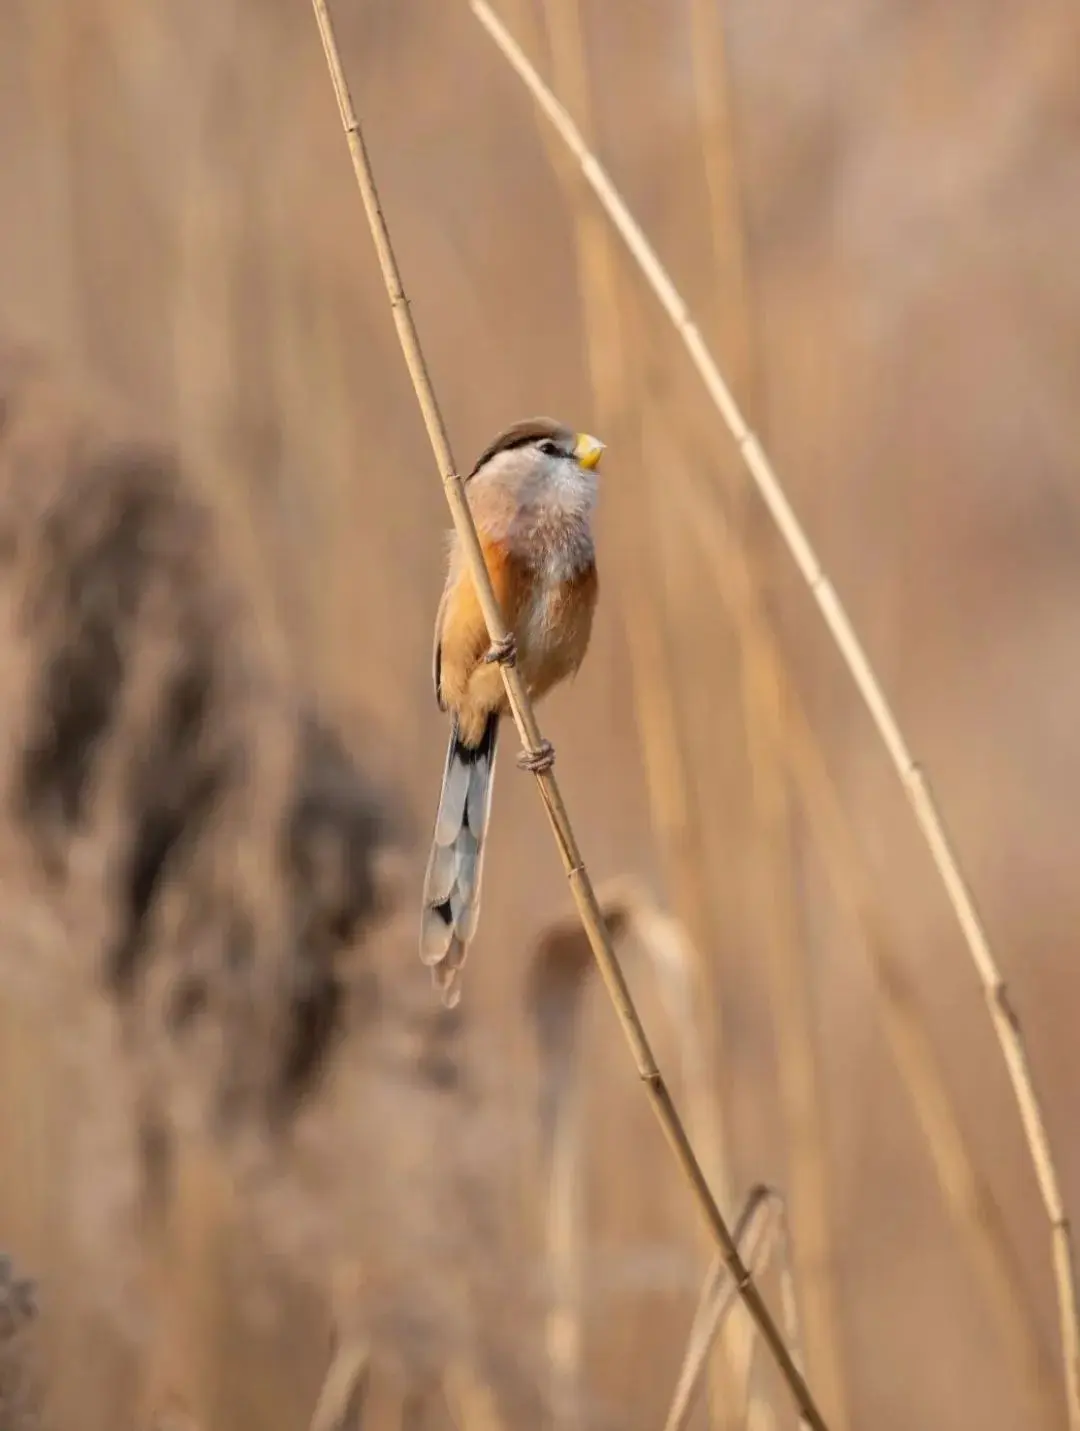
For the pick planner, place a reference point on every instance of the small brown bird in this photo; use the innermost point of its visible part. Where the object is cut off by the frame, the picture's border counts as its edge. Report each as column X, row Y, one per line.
column 532, row 494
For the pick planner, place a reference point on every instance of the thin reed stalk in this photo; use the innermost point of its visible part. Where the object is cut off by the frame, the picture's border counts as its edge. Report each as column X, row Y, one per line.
column 760, row 1229
column 616, row 387
column 558, row 981
column 768, row 1242
column 675, row 964
column 559, row 987
column 347, row 1390
column 785, row 955
column 967, row 1195
column 525, row 720
column 914, row 782
column 717, row 1299
column 344, row 1388
column 617, row 390
column 188, row 1229
column 562, row 1125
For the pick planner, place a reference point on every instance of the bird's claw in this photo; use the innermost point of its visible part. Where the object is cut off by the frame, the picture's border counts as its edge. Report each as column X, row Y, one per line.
column 504, row 652
column 537, row 761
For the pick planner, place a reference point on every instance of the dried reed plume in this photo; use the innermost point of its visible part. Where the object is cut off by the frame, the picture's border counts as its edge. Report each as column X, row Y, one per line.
column 525, row 720
column 20, row 1391
column 201, row 844
column 914, row 782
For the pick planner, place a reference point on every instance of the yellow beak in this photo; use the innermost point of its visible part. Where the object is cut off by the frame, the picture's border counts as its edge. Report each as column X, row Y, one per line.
column 587, row 449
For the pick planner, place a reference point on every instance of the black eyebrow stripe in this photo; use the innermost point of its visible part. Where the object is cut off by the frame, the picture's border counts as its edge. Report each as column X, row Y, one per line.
column 491, row 452
column 524, row 434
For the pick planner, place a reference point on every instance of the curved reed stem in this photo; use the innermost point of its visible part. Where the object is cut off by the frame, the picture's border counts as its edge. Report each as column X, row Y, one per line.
column 786, row 958
column 344, row 1388
column 525, row 720
column 761, row 1228
column 917, row 788
column 966, row 1192
column 559, row 988
column 618, row 392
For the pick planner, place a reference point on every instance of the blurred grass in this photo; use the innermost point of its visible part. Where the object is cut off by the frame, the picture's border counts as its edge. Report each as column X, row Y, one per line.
column 910, row 225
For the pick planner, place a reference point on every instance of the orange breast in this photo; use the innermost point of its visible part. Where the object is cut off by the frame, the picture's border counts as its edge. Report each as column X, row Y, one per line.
column 554, row 632
column 552, row 627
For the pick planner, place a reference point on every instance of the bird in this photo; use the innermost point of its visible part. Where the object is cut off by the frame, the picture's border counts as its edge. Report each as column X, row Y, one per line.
column 532, row 494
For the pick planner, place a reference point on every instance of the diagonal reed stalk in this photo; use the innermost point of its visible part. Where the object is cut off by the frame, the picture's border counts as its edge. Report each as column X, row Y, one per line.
column 344, row 1398
column 715, row 1302
column 786, row 958
column 525, row 720
column 559, row 987
column 913, row 780
column 968, row 1197
column 343, row 1390
column 616, row 381
column 762, row 1229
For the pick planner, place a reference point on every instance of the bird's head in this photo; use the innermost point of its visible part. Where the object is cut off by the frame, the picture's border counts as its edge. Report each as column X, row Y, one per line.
column 541, row 453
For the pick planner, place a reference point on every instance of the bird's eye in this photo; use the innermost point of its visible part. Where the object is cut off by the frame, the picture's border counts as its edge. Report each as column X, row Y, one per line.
column 550, row 449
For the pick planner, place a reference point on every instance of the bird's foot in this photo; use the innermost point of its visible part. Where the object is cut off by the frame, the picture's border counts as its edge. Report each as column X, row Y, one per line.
column 537, row 761
column 504, row 652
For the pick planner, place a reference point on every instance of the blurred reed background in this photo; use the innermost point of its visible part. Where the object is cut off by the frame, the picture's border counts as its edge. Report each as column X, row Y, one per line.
column 873, row 210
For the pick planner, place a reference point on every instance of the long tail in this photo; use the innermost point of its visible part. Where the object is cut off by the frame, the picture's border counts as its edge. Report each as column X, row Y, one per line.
column 456, row 862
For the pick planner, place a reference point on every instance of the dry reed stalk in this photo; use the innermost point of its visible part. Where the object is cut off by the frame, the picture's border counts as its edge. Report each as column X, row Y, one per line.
column 791, row 1007
column 790, row 992
column 757, row 1230
column 735, row 320
column 789, row 1303
column 617, row 390
column 616, row 387
column 736, row 1347
column 525, row 720
column 341, row 1397
column 597, row 287
column 758, row 1413
column 751, row 1409
column 716, row 1300
column 559, row 978
column 187, row 1233
column 967, row 1195
column 927, row 815
column 968, row 1198
column 558, row 987
column 350, row 1384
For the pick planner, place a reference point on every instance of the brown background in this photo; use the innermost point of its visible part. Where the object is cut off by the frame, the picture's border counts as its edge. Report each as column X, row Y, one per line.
column 179, row 222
